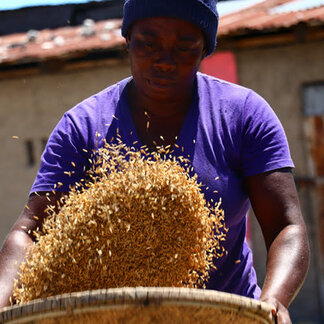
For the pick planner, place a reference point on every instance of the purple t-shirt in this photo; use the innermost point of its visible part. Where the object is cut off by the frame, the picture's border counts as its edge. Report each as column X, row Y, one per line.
column 229, row 133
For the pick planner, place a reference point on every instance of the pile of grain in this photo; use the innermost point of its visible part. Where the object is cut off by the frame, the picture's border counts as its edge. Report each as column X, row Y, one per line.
column 140, row 221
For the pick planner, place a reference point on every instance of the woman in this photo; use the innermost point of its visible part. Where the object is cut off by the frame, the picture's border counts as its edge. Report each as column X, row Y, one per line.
column 228, row 132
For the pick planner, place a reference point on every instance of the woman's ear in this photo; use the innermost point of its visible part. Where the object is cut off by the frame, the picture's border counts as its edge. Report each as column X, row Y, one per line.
column 128, row 38
column 204, row 53
column 127, row 42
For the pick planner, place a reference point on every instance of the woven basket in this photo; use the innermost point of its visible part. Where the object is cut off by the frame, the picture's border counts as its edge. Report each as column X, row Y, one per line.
column 141, row 305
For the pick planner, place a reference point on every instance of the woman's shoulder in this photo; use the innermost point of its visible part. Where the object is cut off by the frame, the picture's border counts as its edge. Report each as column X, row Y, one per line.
column 222, row 86
column 103, row 102
column 94, row 114
column 229, row 94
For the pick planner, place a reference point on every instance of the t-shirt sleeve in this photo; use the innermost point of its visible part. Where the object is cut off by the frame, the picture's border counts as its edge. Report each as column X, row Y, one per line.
column 64, row 160
column 264, row 143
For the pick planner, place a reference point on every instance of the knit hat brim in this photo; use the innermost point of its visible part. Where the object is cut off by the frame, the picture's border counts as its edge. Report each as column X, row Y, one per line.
column 201, row 13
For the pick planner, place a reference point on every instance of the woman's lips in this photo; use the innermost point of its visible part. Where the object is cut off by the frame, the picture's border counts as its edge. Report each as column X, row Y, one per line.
column 162, row 84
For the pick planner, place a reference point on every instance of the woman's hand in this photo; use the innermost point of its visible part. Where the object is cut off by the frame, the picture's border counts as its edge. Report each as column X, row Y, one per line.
column 20, row 237
column 279, row 311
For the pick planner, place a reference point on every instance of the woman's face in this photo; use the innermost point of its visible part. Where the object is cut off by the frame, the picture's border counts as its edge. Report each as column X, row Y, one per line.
column 165, row 54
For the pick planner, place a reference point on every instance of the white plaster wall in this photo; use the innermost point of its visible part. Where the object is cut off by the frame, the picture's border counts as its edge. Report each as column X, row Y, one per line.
column 30, row 107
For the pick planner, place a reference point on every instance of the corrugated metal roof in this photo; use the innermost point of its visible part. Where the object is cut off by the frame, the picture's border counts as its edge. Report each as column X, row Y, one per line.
column 61, row 42
column 259, row 17
column 297, row 6
column 227, row 7
column 71, row 42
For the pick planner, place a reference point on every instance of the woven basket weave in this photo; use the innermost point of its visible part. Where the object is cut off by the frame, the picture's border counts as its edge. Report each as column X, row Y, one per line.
column 140, row 305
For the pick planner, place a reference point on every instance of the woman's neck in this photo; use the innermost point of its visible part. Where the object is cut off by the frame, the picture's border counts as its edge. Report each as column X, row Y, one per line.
column 157, row 122
column 158, row 109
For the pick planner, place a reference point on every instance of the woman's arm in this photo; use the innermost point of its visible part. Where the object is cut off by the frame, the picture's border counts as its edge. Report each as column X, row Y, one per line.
column 275, row 203
column 20, row 237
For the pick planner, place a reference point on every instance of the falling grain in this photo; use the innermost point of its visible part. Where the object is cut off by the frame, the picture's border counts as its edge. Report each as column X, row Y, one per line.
column 141, row 220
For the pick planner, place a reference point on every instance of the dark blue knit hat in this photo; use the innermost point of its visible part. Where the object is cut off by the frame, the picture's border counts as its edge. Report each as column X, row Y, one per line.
column 202, row 13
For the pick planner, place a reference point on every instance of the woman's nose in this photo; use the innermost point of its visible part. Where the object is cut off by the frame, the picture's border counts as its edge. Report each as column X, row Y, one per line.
column 164, row 60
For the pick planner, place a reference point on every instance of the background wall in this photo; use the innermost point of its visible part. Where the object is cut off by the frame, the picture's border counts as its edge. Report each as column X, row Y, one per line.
column 30, row 107
column 278, row 74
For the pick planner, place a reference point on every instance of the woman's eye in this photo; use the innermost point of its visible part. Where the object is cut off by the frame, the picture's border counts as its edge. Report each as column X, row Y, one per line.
column 183, row 49
column 148, row 44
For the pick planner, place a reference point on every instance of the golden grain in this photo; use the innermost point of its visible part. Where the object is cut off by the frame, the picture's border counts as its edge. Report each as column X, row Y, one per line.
column 141, row 220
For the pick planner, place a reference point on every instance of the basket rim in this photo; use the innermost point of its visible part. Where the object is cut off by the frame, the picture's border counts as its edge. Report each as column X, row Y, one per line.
column 112, row 298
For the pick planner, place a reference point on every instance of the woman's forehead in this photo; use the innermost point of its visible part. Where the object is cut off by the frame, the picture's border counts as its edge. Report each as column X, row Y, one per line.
column 155, row 26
